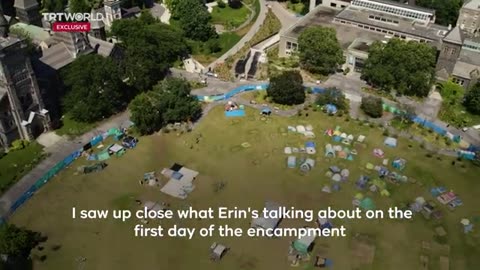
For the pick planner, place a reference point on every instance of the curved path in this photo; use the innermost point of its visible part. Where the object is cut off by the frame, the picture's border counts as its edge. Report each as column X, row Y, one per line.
column 253, row 30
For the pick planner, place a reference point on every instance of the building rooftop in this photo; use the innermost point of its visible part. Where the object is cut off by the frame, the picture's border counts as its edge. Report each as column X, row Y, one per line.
column 102, row 47
column 402, row 5
column 38, row 34
column 57, row 56
column 468, row 56
column 8, row 41
column 472, row 4
column 361, row 45
column 322, row 16
column 3, row 92
column 464, row 70
column 455, row 36
column 432, row 32
column 25, row 4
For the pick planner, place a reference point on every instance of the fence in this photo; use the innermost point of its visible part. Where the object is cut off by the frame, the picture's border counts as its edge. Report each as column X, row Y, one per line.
column 51, row 173
column 236, row 91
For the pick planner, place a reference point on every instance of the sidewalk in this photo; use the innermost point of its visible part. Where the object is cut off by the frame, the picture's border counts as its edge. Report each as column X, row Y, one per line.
column 58, row 152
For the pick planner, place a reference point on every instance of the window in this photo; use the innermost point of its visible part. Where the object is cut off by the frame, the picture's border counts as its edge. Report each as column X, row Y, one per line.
column 343, row 6
column 403, row 37
column 289, row 45
column 333, row 5
column 458, row 81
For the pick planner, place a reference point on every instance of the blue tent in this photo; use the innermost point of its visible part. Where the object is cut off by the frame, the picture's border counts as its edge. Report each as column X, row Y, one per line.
column 331, row 109
column 266, row 111
column 310, row 144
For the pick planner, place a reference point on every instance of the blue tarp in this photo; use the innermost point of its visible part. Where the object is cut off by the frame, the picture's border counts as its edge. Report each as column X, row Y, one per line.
column 235, row 113
column 318, row 90
column 310, row 144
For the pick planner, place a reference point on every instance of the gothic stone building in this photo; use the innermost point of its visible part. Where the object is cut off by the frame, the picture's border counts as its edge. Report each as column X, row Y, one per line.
column 22, row 112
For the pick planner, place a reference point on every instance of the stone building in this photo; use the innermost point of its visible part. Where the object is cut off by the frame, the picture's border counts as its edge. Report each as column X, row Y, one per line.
column 362, row 22
column 22, row 111
column 28, row 11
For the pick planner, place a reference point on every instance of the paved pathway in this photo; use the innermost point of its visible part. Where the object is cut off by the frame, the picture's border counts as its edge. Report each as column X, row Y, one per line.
column 58, row 152
column 253, row 30
column 286, row 17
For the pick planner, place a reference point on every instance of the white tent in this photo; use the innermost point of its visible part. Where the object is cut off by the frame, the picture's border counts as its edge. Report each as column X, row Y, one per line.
column 287, row 150
column 350, row 137
column 311, row 151
column 309, row 134
column 292, row 161
column 360, row 138
column 336, row 177
column 293, row 129
column 309, row 128
column 301, row 129
column 343, row 135
column 389, row 141
column 345, row 173
column 307, row 165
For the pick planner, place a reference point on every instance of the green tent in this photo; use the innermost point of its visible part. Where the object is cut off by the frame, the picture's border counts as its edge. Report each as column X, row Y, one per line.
column 300, row 247
column 367, row 204
column 359, row 196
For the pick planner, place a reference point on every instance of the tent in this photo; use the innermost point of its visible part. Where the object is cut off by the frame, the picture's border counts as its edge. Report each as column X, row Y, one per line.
column 361, row 138
column 345, row 173
column 266, row 111
column 292, row 162
column 399, row 163
column 326, row 189
column 329, row 152
column 378, row 153
column 369, row 166
column 301, row 129
column 367, row 204
column 336, row 177
column 265, row 221
column 362, row 182
column 309, row 128
column 335, row 169
column 287, row 150
column 303, row 244
column 391, row 142
column 331, row 109
column 307, row 165
column 309, row 134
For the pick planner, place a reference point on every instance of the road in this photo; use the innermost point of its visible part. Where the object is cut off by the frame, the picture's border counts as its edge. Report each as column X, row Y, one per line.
column 287, row 18
column 253, row 30
column 58, row 152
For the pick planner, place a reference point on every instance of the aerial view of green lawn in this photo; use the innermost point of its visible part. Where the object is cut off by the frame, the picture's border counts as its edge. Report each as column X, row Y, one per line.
column 245, row 157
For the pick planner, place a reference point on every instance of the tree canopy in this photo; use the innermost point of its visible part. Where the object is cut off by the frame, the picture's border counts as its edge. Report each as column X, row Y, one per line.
column 150, row 49
column 169, row 102
column 16, row 242
column 372, row 106
column 287, row 88
column 319, row 50
column 407, row 67
column 94, row 88
column 79, row 6
column 446, row 11
column 53, row 5
column 194, row 19
column 333, row 96
column 472, row 99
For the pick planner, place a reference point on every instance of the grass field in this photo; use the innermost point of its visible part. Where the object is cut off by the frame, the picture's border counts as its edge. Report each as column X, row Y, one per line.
column 17, row 163
column 71, row 127
column 252, row 175
column 230, row 17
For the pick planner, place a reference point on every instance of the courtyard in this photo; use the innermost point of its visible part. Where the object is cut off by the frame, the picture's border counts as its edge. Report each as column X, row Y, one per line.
column 245, row 156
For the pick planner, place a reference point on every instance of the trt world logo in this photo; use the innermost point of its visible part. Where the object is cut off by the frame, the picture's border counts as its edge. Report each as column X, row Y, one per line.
column 72, row 22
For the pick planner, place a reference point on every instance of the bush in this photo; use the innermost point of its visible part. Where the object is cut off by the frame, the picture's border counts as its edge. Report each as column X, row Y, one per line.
column 372, row 106
column 386, row 133
column 19, row 145
column 221, row 4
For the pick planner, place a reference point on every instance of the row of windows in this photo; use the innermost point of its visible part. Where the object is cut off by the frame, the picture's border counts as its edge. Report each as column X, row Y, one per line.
column 384, row 31
column 382, row 19
column 392, row 10
column 458, row 81
column 472, row 47
column 334, row 5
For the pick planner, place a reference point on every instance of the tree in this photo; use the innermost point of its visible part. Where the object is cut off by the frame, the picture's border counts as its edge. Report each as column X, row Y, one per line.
column 79, row 6
column 332, row 96
column 234, row 3
column 287, row 88
column 446, row 11
column 16, row 242
column 407, row 67
column 95, row 88
column 472, row 99
column 372, row 106
column 169, row 102
column 319, row 50
column 53, row 5
column 194, row 19
column 150, row 49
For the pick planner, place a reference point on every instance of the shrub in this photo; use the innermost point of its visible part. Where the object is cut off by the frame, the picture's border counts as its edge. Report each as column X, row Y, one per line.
column 19, row 145
column 221, row 4
column 372, row 106
column 386, row 133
